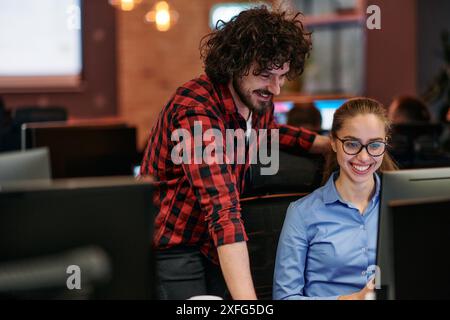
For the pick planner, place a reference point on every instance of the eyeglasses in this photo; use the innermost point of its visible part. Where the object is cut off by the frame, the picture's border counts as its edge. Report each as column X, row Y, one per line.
column 353, row 147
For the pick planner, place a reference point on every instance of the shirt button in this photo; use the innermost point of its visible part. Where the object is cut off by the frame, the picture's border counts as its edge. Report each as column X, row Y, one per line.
column 363, row 249
column 361, row 227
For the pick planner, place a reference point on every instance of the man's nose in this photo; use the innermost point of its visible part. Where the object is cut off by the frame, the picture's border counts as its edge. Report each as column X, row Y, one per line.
column 275, row 86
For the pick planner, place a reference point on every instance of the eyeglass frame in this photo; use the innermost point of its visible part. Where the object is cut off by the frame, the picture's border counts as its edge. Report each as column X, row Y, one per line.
column 363, row 146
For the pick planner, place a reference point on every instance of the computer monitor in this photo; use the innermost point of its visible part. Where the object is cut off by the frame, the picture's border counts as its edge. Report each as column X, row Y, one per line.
column 102, row 225
column 92, row 150
column 403, row 185
column 327, row 109
column 281, row 110
column 24, row 165
column 420, row 248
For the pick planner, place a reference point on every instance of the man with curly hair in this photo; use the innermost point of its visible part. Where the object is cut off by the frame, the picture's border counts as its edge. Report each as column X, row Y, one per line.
column 199, row 237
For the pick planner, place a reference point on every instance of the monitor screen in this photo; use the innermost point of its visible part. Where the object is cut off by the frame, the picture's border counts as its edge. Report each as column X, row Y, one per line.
column 84, row 150
column 419, row 241
column 327, row 109
column 101, row 225
column 136, row 170
column 281, row 109
column 403, row 185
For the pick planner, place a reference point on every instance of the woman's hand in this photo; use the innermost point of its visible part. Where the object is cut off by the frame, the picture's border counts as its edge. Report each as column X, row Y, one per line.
column 360, row 295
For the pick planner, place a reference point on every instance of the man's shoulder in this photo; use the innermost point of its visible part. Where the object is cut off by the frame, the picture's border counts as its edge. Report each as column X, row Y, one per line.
column 197, row 97
column 197, row 90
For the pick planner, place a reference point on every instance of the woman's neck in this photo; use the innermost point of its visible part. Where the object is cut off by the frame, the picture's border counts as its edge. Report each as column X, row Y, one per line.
column 359, row 194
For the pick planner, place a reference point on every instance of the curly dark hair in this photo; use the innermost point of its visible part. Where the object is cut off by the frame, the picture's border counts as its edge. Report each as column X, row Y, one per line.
column 267, row 38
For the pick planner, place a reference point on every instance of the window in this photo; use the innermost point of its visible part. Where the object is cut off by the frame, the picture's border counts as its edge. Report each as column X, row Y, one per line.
column 226, row 11
column 40, row 44
column 336, row 64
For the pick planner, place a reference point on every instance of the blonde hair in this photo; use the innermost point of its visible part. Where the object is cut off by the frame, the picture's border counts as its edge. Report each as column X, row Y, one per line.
column 351, row 109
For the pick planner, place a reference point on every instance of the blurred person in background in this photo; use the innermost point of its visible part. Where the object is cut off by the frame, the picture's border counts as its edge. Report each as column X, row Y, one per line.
column 305, row 115
column 408, row 110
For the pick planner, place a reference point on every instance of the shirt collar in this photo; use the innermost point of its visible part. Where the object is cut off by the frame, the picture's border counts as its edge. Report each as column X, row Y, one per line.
column 331, row 194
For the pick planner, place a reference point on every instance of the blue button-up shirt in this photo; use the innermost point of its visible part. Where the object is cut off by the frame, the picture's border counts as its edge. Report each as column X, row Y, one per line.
column 326, row 248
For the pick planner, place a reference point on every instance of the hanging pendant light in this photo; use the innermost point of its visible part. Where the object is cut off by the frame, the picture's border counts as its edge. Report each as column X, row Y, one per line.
column 162, row 16
column 125, row 5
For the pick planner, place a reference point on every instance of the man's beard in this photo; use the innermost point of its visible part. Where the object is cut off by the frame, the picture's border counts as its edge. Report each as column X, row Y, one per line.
column 260, row 107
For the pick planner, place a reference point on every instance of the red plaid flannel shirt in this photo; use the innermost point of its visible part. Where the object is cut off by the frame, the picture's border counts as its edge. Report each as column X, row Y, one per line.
column 199, row 203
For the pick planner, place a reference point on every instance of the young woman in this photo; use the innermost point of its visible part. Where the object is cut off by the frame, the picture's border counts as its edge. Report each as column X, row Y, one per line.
column 328, row 243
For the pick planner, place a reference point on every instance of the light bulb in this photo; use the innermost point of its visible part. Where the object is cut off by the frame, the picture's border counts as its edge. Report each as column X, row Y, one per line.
column 162, row 16
column 125, row 5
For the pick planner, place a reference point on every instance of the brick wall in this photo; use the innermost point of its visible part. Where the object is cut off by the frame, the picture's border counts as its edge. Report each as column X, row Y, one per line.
column 152, row 64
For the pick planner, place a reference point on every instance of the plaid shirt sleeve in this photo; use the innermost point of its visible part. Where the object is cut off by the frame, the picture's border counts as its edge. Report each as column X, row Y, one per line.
column 214, row 185
column 296, row 139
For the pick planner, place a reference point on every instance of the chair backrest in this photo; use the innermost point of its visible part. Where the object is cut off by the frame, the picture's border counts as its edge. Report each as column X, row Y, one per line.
column 11, row 130
column 263, row 218
column 296, row 173
column 36, row 114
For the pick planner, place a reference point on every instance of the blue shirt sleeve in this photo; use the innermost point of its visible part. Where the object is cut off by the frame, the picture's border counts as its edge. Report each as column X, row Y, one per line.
column 289, row 275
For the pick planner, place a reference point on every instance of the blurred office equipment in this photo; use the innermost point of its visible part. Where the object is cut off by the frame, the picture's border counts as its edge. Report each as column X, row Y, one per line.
column 296, row 173
column 102, row 225
column 445, row 138
column 24, row 165
column 281, row 110
column 43, row 277
column 37, row 114
column 418, row 146
column 326, row 106
column 84, row 149
column 11, row 130
column 420, row 244
column 327, row 109
column 424, row 185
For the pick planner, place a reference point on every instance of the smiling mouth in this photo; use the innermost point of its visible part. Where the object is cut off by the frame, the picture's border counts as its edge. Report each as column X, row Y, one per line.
column 264, row 95
column 359, row 169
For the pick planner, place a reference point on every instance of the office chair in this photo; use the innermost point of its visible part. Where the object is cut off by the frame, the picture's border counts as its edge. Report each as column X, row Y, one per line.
column 297, row 173
column 36, row 114
column 263, row 218
column 11, row 135
column 264, row 205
